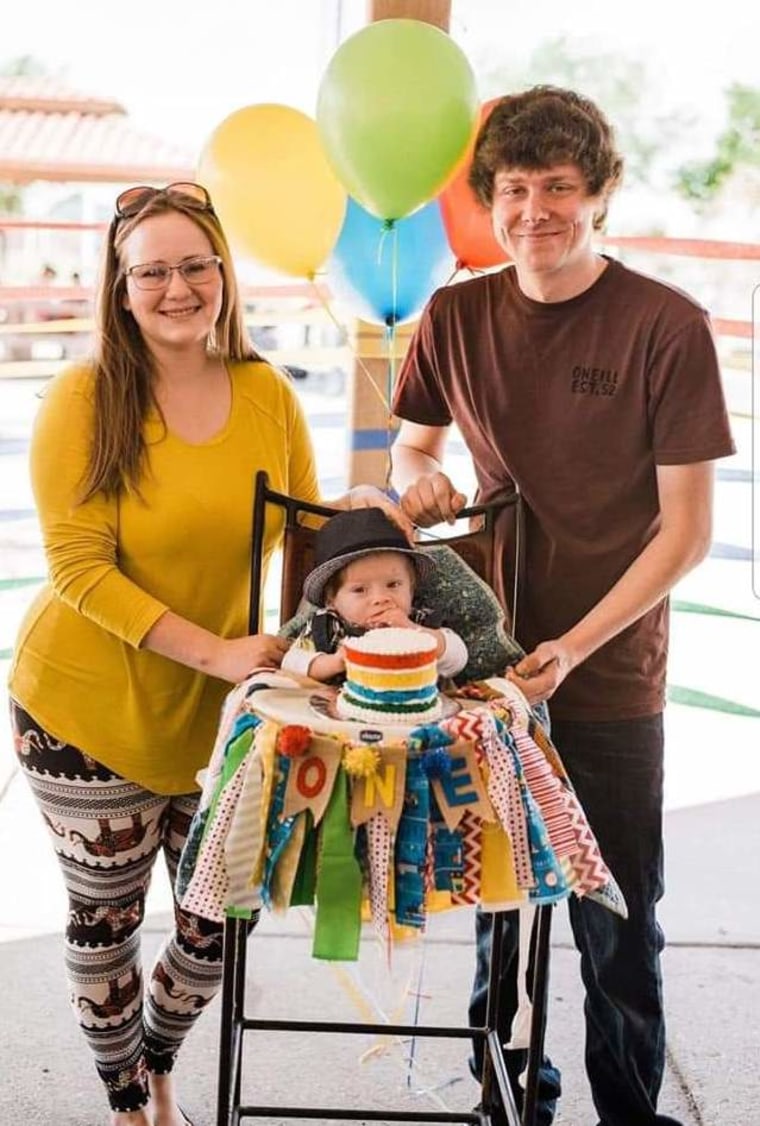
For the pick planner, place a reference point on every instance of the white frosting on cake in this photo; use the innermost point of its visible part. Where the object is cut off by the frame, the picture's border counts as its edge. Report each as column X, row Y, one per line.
column 391, row 677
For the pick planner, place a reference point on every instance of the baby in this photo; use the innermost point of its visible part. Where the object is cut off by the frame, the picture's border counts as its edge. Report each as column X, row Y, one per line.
column 365, row 577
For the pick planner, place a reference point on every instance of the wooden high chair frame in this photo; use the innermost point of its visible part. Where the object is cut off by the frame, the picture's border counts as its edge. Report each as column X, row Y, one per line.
column 476, row 548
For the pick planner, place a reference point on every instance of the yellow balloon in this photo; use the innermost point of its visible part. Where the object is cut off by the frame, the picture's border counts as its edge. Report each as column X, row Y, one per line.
column 278, row 199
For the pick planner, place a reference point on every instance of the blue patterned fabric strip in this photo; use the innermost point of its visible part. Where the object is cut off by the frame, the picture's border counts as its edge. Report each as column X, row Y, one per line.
column 411, row 847
column 278, row 831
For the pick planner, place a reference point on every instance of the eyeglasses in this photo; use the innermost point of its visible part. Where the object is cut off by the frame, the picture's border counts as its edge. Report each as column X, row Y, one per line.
column 134, row 199
column 157, row 275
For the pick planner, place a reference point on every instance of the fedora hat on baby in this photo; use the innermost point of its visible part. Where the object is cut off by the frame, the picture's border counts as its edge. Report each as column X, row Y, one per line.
column 350, row 535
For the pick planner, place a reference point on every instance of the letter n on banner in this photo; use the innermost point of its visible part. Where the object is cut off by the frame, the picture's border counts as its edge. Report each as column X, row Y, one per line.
column 311, row 778
column 383, row 791
column 463, row 788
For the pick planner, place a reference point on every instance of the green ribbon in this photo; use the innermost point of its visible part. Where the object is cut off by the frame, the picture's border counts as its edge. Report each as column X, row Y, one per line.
column 339, row 882
column 305, row 883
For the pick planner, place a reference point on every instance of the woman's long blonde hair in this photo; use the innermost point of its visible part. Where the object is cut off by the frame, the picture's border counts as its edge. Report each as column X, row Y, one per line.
column 124, row 366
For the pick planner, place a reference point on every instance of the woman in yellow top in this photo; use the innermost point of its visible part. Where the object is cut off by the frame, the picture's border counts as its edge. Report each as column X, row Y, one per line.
column 143, row 465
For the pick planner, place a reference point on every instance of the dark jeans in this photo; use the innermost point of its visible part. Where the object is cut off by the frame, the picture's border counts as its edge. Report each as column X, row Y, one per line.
column 616, row 769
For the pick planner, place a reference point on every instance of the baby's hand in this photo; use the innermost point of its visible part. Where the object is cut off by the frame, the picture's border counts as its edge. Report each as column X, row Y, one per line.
column 327, row 665
column 391, row 617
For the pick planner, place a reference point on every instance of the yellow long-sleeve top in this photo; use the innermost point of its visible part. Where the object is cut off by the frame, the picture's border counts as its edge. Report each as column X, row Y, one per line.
column 117, row 564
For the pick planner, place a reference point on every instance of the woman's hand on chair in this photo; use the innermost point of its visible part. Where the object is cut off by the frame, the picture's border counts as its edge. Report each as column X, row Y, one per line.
column 432, row 499
column 238, row 656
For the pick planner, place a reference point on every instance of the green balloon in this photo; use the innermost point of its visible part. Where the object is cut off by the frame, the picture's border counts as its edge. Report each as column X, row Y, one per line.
column 396, row 109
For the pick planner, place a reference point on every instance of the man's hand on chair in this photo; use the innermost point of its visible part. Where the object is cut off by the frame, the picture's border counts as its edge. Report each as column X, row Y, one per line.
column 432, row 499
column 539, row 674
column 368, row 496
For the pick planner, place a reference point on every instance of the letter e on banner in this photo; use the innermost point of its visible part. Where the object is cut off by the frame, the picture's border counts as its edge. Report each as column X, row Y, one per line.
column 463, row 788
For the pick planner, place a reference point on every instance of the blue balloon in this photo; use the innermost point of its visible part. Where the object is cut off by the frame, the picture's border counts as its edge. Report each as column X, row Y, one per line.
column 384, row 272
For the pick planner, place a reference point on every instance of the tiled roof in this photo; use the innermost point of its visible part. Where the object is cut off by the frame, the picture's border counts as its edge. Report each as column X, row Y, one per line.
column 49, row 131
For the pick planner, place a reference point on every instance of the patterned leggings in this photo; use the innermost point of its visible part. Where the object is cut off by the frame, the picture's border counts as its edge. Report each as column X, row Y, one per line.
column 107, row 834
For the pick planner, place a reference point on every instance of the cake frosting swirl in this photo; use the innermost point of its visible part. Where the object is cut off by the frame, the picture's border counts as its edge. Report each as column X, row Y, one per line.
column 391, row 677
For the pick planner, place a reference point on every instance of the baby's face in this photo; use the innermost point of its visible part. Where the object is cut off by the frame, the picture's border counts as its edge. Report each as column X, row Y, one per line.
column 372, row 586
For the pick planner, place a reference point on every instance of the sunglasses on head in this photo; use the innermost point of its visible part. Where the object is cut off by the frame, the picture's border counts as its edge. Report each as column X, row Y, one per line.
column 131, row 201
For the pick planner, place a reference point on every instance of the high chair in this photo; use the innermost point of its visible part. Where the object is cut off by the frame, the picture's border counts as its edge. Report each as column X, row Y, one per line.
column 475, row 547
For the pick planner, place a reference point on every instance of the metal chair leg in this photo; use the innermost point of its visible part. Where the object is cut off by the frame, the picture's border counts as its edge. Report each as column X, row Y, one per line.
column 539, row 994
column 230, row 1041
column 494, row 1068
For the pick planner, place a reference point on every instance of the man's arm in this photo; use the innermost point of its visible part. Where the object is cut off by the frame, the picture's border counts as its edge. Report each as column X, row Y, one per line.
column 682, row 541
column 427, row 495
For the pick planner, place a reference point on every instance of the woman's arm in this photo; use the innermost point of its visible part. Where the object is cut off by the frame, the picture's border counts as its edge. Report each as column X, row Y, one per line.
column 226, row 658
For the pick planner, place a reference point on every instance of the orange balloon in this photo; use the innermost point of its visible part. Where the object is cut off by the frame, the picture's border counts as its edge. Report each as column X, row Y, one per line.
column 467, row 222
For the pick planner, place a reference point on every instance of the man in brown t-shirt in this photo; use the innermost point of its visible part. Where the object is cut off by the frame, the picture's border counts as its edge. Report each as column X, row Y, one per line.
column 596, row 390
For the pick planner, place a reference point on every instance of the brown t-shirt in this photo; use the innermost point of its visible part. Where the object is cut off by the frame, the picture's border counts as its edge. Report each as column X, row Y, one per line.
column 576, row 402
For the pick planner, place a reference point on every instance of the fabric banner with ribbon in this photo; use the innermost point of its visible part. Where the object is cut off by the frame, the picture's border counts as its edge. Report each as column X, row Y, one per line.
column 477, row 808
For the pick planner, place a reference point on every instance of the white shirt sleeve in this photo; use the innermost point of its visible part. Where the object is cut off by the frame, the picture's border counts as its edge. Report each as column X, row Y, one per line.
column 454, row 656
column 298, row 660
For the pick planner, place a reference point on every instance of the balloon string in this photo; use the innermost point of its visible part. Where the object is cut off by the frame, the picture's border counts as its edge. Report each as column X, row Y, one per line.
column 345, row 341
column 390, row 343
column 388, row 226
column 394, row 297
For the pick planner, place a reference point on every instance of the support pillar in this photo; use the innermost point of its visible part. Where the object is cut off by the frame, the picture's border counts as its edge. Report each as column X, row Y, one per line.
column 372, row 426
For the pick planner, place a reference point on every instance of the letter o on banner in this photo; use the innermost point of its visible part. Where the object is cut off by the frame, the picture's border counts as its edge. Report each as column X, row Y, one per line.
column 311, row 776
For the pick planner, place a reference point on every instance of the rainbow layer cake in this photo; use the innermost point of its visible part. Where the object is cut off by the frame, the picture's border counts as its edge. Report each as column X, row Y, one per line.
column 391, row 677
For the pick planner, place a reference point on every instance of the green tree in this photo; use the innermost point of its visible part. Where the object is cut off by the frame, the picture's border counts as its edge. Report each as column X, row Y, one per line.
column 25, row 65
column 616, row 82
column 737, row 146
column 11, row 198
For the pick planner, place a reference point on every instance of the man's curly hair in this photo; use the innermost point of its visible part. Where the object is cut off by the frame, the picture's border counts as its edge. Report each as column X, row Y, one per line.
column 542, row 127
